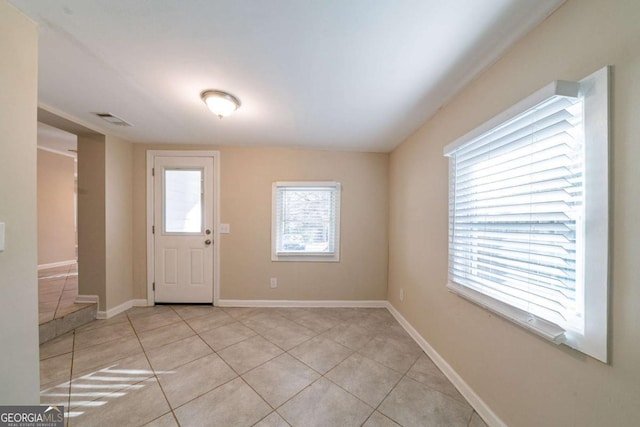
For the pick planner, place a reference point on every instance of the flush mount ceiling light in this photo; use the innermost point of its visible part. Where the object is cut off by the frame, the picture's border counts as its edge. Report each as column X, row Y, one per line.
column 220, row 103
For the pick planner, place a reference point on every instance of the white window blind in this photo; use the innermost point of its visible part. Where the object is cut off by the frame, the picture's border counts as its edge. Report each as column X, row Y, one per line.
column 306, row 221
column 518, row 217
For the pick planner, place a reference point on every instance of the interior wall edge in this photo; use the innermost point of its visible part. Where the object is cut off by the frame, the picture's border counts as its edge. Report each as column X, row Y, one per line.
column 120, row 308
column 480, row 406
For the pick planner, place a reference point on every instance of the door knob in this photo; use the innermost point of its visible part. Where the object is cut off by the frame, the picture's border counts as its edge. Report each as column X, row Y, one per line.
column 207, row 242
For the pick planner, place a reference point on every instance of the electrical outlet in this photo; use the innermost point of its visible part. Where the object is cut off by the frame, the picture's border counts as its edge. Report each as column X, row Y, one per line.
column 401, row 294
column 274, row 282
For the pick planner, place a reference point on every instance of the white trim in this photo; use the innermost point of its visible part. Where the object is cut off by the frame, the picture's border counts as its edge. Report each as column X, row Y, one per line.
column 302, row 303
column 474, row 400
column 555, row 88
column 121, row 308
column 587, row 331
column 87, row 299
column 54, row 151
column 149, row 235
column 543, row 328
column 307, row 184
column 151, row 154
column 307, row 256
column 75, row 120
column 57, row 264
column 489, row 417
column 594, row 340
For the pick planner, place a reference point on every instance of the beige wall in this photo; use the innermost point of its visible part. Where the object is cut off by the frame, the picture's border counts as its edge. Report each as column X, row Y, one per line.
column 525, row 380
column 56, row 210
column 246, row 266
column 91, row 218
column 118, row 221
column 19, row 373
column 105, row 263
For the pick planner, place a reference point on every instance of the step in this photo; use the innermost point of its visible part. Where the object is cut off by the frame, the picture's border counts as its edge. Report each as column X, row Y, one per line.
column 83, row 314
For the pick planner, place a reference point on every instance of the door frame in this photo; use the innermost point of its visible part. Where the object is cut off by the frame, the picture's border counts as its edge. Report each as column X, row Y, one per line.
column 151, row 155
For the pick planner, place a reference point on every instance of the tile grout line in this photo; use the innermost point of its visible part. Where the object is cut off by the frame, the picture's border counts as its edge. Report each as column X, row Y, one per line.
column 262, row 335
column 286, row 351
column 238, row 376
column 172, row 323
column 391, row 391
column 55, row 313
column 155, row 375
column 231, row 367
column 347, row 391
column 324, row 375
column 128, row 320
column 318, row 379
column 383, row 399
column 214, row 352
column 470, row 418
column 82, row 376
column 73, row 354
column 135, row 333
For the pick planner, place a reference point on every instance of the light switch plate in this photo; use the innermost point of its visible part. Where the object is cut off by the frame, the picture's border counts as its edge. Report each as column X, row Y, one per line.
column 225, row 229
column 1, row 236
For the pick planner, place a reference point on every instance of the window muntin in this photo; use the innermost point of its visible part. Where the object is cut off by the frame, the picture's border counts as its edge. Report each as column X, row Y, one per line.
column 527, row 205
column 305, row 221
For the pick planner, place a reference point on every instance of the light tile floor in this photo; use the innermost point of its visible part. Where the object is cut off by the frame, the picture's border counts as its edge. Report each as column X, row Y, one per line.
column 57, row 292
column 196, row 365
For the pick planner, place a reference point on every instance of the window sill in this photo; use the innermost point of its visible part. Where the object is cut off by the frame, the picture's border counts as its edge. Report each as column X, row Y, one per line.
column 547, row 330
column 306, row 257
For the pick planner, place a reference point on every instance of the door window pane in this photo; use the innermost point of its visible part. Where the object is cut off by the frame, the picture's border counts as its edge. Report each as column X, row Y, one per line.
column 183, row 201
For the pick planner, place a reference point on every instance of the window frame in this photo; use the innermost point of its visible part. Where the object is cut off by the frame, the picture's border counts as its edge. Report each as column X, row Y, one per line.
column 594, row 90
column 333, row 256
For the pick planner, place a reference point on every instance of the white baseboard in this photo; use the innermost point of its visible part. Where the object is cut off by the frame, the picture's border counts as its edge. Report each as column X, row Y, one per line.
column 474, row 400
column 121, row 308
column 489, row 417
column 301, row 303
column 84, row 299
column 57, row 264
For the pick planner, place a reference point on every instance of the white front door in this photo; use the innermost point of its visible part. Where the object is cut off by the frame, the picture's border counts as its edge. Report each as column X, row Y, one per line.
column 183, row 229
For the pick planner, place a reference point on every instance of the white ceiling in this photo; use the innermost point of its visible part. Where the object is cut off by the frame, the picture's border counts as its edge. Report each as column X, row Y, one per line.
column 335, row 74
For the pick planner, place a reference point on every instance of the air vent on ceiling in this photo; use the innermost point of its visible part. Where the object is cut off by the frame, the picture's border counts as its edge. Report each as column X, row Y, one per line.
column 114, row 120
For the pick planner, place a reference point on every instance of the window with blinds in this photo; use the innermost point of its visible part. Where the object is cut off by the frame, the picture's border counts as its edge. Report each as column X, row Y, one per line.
column 518, row 217
column 305, row 221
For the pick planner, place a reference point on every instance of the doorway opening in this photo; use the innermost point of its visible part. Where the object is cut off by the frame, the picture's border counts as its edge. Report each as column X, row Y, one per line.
column 57, row 192
column 61, row 272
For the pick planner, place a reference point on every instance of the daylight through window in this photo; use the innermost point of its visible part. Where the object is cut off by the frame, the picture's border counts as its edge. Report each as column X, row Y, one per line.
column 306, row 221
column 528, row 215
